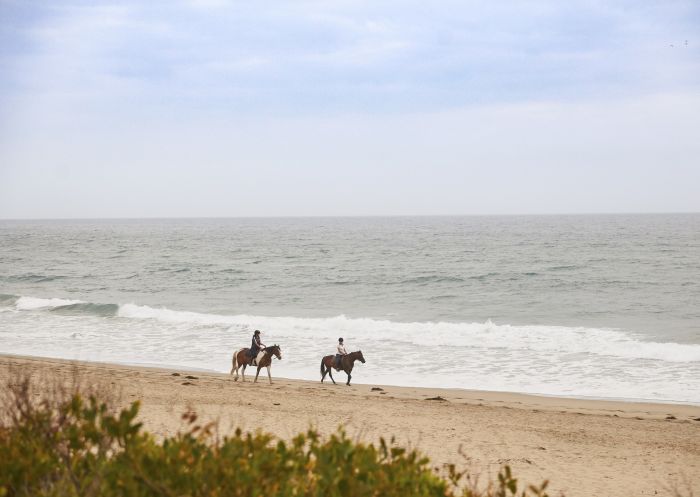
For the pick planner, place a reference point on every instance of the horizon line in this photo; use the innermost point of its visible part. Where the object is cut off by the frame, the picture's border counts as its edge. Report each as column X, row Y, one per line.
column 348, row 216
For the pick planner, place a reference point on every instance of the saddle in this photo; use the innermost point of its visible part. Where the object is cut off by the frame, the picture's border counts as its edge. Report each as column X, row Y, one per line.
column 253, row 358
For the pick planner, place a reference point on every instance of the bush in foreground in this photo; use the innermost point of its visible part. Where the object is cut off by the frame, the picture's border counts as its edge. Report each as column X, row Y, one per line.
column 80, row 447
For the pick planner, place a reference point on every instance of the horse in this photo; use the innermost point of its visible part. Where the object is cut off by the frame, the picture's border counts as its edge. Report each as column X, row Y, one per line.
column 264, row 360
column 346, row 364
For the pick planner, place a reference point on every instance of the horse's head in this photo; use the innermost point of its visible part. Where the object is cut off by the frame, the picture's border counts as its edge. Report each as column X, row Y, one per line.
column 276, row 351
column 360, row 356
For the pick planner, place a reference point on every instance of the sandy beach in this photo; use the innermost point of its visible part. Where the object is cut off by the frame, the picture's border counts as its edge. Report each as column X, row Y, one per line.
column 584, row 447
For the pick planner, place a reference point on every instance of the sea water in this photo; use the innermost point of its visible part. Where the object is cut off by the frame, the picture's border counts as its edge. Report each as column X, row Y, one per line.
column 604, row 306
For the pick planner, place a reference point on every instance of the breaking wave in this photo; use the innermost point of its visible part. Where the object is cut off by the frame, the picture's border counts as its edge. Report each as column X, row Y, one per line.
column 79, row 308
column 34, row 303
column 522, row 339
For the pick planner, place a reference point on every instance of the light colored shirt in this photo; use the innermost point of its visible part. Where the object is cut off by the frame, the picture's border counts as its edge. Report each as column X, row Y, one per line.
column 341, row 349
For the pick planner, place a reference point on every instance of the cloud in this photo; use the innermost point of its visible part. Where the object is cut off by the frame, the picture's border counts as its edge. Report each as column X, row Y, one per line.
column 347, row 107
column 318, row 57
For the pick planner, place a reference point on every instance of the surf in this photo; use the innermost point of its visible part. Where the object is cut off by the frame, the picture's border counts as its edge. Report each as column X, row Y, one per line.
column 514, row 339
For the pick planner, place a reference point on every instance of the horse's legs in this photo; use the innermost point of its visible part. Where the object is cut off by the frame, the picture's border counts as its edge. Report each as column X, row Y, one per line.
column 323, row 372
column 234, row 365
column 243, row 371
column 269, row 376
column 330, row 373
column 349, row 376
column 256, row 374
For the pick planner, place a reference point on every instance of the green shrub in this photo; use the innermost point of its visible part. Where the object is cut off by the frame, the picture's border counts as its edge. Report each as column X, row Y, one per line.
column 80, row 447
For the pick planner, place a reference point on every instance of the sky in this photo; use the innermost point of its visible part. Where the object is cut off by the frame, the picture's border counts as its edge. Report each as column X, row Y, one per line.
column 212, row 108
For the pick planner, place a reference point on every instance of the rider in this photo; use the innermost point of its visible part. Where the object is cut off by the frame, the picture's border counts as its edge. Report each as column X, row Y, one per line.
column 255, row 347
column 341, row 353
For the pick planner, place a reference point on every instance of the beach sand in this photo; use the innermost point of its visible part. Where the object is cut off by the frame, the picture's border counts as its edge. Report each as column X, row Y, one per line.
column 584, row 447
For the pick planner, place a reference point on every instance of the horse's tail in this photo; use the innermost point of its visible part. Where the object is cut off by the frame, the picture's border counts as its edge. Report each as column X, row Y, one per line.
column 322, row 371
column 234, row 361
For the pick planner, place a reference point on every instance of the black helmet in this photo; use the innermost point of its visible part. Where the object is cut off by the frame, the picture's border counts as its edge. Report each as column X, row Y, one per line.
column 340, row 340
column 257, row 332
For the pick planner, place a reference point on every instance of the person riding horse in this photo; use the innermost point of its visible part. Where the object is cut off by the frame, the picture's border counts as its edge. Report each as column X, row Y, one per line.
column 347, row 362
column 255, row 347
column 341, row 352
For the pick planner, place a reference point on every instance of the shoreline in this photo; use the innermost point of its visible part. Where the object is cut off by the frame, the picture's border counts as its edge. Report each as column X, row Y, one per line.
column 168, row 367
column 470, row 393
column 584, row 447
column 653, row 409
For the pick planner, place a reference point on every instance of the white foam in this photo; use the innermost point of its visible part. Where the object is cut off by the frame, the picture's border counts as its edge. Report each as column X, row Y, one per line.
column 170, row 316
column 545, row 339
column 552, row 360
column 33, row 303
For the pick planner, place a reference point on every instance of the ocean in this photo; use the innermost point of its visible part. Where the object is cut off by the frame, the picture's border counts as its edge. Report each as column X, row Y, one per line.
column 591, row 306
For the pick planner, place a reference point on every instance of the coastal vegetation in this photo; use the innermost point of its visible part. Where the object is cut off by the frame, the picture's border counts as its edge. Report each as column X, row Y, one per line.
column 78, row 442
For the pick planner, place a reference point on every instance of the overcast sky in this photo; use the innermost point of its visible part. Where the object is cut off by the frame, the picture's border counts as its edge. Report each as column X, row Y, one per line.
column 216, row 108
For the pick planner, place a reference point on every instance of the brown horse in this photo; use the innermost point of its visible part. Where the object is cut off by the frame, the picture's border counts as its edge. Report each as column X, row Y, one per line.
column 346, row 364
column 241, row 358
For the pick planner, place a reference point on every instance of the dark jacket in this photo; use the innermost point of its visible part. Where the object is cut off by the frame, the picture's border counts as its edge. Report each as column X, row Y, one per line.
column 255, row 346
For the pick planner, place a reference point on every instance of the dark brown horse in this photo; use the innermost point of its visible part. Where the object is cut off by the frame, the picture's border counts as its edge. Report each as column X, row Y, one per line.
column 242, row 358
column 346, row 364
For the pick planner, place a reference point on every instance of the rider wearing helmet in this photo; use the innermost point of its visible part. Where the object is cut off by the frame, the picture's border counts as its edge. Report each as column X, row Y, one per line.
column 255, row 347
column 340, row 353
